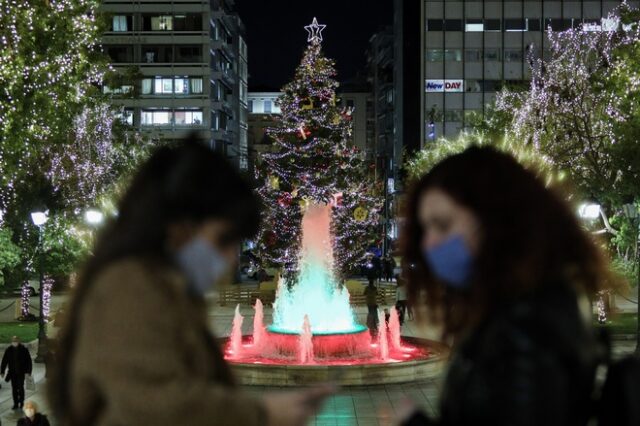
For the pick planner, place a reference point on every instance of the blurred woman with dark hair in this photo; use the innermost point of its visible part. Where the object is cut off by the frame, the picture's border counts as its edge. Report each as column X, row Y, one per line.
column 503, row 265
column 136, row 347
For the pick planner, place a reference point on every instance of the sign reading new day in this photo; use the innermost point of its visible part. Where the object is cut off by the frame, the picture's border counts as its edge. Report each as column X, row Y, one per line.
column 444, row 85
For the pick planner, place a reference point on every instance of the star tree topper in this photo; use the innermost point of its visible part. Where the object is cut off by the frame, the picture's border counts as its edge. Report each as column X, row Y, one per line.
column 315, row 31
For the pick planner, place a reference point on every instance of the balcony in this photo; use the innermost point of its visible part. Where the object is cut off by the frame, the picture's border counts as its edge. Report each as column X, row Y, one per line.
column 225, row 46
column 227, row 75
column 226, row 104
column 222, row 135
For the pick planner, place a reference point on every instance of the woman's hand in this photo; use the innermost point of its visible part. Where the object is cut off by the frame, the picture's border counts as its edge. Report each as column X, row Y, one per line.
column 294, row 408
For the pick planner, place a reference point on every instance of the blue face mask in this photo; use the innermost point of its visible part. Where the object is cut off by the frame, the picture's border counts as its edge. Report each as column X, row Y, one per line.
column 451, row 262
column 202, row 264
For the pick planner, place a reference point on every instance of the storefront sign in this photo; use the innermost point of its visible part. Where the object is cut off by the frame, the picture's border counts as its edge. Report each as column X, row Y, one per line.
column 444, row 85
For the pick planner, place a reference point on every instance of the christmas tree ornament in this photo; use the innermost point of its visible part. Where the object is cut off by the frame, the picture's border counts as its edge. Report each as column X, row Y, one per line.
column 360, row 214
column 274, row 182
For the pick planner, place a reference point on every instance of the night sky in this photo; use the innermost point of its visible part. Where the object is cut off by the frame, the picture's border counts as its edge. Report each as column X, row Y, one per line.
column 276, row 38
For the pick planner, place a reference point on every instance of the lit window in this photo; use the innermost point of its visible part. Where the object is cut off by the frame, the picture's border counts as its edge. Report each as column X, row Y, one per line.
column 474, row 25
column 610, row 24
column 164, row 85
column 117, row 90
column 156, row 118
column 196, row 85
column 181, row 85
column 188, row 118
column 267, row 107
column 147, row 86
column 162, row 23
column 120, row 23
column 125, row 116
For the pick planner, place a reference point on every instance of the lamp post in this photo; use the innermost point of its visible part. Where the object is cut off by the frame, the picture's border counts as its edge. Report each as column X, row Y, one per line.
column 94, row 217
column 590, row 210
column 631, row 212
column 39, row 218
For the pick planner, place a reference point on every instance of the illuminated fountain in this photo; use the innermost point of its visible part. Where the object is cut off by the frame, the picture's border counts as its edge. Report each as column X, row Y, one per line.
column 314, row 327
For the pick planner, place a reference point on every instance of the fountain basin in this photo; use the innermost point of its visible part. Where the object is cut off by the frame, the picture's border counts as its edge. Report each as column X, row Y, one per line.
column 351, row 343
column 419, row 359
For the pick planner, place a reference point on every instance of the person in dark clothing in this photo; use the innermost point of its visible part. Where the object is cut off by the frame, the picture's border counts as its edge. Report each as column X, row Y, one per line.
column 377, row 267
column 369, row 268
column 17, row 362
column 388, row 265
column 371, row 297
column 32, row 417
column 505, row 268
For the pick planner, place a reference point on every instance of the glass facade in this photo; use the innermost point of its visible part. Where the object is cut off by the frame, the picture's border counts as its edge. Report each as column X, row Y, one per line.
column 486, row 45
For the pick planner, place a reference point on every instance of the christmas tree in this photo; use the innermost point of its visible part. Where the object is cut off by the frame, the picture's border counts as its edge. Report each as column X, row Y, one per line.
column 312, row 163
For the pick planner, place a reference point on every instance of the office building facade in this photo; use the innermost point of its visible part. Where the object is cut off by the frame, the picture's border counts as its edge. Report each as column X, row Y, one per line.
column 186, row 57
column 471, row 49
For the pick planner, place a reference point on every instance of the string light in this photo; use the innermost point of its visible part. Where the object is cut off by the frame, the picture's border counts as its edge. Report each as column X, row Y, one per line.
column 47, row 285
column 315, row 31
column 25, row 294
column 573, row 115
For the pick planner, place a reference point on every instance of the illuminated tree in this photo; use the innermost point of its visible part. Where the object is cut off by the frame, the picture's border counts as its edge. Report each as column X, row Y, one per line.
column 574, row 116
column 312, row 163
column 582, row 115
column 60, row 147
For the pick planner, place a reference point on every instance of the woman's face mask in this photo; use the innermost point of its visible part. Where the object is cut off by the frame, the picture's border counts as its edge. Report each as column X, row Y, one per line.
column 451, row 237
column 202, row 263
column 451, row 262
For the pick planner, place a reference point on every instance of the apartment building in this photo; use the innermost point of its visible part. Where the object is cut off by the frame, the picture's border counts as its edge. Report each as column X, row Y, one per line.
column 189, row 62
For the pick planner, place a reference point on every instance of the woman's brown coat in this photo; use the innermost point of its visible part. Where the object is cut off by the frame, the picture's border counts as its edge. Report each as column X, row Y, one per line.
column 144, row 355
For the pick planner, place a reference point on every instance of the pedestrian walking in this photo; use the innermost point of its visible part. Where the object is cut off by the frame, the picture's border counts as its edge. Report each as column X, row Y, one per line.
column 401, row 298
column 16, row 361
column 371, row 298
column 388, row 265
column 136, row 347
column 506, row 269
column 32, row 417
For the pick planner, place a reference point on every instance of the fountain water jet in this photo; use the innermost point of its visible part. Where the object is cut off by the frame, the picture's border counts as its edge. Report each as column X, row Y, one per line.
column 258, row 326
column 394, row 329
column 315, row 292
column 383, row 343
column 306, row 342
column 235, row 339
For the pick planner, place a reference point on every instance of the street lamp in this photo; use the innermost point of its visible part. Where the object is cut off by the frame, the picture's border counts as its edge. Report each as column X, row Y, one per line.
column 94, row 217
column 39, row 218
column 631, row 212
column 590, row 210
